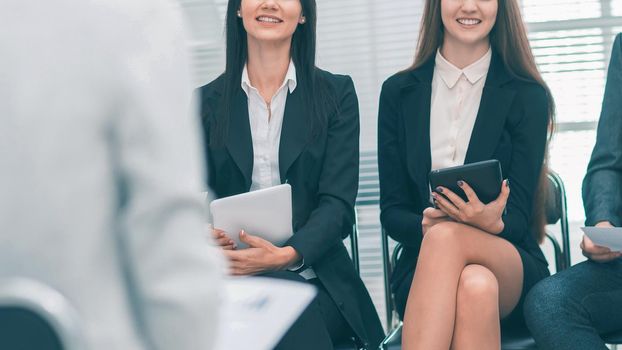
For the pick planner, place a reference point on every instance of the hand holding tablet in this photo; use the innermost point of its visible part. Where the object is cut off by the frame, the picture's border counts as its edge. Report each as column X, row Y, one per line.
column 264, row 213
column 472, row 194
column 483, row 177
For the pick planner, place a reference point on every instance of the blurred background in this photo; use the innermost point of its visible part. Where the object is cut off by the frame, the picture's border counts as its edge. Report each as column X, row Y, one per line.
column 371, row 40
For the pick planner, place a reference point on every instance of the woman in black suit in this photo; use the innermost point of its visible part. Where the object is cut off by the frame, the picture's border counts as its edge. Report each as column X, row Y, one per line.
column 474, row 93
column 271, row 118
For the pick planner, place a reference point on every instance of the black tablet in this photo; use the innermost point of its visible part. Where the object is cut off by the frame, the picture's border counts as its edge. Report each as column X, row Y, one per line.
column 484, row 177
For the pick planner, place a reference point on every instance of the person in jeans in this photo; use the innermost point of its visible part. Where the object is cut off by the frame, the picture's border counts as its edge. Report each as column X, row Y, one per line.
column 571, row 309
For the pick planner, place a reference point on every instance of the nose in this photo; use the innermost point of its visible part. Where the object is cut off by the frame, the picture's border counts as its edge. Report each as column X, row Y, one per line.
column 269, row 5
column 469, row 5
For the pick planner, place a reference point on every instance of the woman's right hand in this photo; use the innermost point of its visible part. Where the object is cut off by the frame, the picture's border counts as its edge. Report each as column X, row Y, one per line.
column 431, row 217
column 222, row 240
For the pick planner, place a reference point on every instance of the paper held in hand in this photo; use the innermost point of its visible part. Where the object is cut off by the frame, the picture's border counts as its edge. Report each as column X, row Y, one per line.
column 610, row 237
column 256, row 312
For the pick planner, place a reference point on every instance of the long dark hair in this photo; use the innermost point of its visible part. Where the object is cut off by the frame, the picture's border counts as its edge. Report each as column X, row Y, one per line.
column 508, row 39
column 316, row 97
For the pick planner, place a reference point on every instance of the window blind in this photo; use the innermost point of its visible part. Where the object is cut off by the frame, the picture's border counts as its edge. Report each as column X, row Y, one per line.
column 571, row 41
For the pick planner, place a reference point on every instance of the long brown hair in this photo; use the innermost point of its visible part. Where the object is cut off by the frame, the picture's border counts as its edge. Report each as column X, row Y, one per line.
column 508, row 39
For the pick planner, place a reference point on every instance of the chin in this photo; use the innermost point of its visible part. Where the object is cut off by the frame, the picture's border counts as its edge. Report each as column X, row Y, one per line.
column 469, row 38
column 271, row 38
column 263, row 34
column 473, row 40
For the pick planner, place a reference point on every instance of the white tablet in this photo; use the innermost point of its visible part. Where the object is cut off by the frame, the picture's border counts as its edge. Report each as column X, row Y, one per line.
column 265, row 213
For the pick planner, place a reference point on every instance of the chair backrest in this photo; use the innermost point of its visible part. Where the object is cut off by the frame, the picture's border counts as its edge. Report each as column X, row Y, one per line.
column 368, row 196
column 35, row 316
column 388, row 262
column 557, row 211
column 354, row 245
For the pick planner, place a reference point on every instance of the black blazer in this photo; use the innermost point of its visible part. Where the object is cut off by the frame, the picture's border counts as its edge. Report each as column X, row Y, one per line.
column 323, row 173
column 602, row 186
column 511, row 126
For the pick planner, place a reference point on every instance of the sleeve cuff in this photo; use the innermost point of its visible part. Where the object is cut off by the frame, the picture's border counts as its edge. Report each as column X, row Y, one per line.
column 296, row 267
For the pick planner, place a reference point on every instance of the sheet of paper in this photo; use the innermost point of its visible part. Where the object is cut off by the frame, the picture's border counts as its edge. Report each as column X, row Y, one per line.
column 610, row 237
column 256, row 312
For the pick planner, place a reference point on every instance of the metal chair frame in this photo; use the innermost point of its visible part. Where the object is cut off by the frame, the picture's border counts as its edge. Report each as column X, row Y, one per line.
column 354, row 255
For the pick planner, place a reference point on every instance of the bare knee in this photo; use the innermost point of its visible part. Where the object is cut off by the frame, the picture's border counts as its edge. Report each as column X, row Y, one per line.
column 477, row 314
column 442, row 234
column 478, row 285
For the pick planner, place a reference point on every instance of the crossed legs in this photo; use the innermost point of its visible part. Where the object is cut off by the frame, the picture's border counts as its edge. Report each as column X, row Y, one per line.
column 465, row 281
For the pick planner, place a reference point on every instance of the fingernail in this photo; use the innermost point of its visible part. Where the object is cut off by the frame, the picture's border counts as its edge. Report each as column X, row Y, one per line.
column 439, row 189
column 460, row 183
column 242, row 233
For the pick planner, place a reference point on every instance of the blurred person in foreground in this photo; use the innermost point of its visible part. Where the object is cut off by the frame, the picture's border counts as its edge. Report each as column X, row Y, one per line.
column 101, row 170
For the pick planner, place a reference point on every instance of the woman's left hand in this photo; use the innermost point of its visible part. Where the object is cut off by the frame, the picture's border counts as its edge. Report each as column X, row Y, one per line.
column 475, row 213
column 260, row 256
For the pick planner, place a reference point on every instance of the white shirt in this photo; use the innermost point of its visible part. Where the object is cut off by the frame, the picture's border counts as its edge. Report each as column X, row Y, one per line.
column 266, row 122
column 101, row 170
column 456, row 95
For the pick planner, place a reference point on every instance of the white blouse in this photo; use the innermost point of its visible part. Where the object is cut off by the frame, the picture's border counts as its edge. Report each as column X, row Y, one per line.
column 266, row 121
column 456, row 95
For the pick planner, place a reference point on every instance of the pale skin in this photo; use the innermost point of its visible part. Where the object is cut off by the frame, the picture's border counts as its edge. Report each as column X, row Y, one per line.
column 270, row 25
column 467, row 278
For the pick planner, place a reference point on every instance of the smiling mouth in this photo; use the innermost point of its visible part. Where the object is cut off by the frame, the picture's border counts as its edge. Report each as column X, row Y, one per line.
column 268, row 19
column 469, row 21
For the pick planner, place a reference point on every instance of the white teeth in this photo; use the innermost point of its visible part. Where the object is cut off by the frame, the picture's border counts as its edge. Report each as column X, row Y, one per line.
column 268, row 19
column 468, row 21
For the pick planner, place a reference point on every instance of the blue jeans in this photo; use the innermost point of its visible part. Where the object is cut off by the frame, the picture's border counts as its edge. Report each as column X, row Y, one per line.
column 570, row 309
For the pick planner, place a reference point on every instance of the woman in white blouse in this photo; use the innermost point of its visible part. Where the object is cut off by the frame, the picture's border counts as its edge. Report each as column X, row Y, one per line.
column 474, row 93
column 274, row 117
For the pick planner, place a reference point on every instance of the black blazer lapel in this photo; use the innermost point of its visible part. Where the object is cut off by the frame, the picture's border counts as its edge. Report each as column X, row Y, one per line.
column 294, row 132
column 239, row 138
column 416, row 99
column 493, row 109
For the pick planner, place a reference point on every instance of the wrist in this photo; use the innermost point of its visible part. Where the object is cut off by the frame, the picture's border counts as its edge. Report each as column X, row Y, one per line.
column 288, row 256
column 497, row 227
